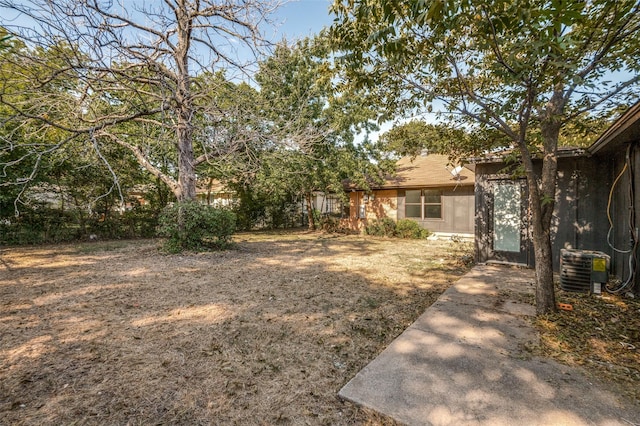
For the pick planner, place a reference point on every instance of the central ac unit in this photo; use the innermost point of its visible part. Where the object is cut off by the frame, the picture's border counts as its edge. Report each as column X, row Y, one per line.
column 583, row 270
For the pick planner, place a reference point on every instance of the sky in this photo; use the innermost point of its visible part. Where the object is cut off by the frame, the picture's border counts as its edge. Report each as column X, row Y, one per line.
column 303, row 18
column 295, row 18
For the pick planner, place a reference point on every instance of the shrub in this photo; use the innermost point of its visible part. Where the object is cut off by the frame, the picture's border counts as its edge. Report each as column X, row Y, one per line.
column 384, row 227
column 193, row 226
column 38, row 225
column 331, row 224
column 138, row 222
column 407, row 228
column 404, row 228
column 141, row 221
column 256, row 210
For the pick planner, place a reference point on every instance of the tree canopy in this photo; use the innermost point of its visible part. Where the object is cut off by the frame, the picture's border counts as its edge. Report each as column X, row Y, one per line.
column 107, row 73
column 312, row 127
column 410, row 138
column 525, row 69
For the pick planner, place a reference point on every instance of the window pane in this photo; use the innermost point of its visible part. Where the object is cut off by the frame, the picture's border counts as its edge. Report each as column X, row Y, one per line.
column 412, row 211
column 412, row 196
column 433, row 212
column 506, row 217
column 432, row 196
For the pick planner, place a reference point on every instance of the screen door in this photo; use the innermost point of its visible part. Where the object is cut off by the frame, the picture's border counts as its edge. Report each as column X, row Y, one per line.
column 509, row 222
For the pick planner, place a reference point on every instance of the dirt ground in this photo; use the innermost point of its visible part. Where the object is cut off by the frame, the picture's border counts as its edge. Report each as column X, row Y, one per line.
column 601, row 334
column 265, row 333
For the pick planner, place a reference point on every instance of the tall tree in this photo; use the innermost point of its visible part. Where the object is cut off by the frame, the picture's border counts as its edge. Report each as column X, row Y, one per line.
column 129, row 62
column 524, row 68
column 412, row 137
column 312, row 124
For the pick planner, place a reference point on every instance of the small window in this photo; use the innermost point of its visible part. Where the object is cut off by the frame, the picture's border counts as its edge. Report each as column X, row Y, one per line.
column 413, row 211
column 432, row 204
column 423, row 204
column 432, row 212
column 362, row 213
column 412, row 196
column 413, row 204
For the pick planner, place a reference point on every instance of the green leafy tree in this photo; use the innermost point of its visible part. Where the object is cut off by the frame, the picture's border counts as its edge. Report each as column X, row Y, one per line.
column 410, row 138
column 525, row 69
column 77, row 180
column 312, row 125
column 233, row 131
column 27, row 146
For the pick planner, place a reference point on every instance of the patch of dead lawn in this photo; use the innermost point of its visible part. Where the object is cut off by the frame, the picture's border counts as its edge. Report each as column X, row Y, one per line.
column 601, row 334
column 266, row 333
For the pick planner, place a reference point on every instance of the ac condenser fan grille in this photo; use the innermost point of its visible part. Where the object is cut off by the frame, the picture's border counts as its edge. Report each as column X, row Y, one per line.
column 577, row 271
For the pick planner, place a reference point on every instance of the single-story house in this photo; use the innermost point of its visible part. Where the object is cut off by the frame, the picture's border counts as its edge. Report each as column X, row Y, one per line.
column 212, row 192
column 426, row 189
column 595, row 203
column 325, row 203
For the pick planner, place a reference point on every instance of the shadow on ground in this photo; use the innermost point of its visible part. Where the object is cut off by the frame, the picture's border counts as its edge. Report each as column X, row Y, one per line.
column 465, row 362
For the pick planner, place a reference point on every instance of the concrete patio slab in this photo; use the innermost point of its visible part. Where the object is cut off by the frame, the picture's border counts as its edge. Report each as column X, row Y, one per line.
column 464, row 362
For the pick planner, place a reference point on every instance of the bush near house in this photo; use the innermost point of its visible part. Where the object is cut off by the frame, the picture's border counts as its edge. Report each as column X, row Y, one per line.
column 332, row 223
column 407, row 228
column 384, row 227
column 193, row 226
column 404, row 228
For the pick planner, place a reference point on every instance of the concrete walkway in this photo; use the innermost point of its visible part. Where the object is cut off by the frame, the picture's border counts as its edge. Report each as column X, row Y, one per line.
column 464, row 362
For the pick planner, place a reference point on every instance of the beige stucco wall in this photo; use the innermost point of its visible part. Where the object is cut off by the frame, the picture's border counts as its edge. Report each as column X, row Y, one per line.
column 384, row 204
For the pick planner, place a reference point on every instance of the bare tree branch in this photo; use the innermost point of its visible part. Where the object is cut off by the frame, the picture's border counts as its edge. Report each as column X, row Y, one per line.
column 103, row 68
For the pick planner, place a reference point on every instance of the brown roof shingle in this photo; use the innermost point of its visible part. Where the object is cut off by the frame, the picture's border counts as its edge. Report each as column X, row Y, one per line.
column 431, row 170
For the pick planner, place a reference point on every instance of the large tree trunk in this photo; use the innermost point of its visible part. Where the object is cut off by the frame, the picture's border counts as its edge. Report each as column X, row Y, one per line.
column 186, row 172
column 541, row 230
column 311, row 221
column 542, row 193
column 186, row 166
column 542, row 188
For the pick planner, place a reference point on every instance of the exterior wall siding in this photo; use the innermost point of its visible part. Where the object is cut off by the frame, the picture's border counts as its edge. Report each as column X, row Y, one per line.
column 579, row 220
column 457, row 209
column 621, row 232
column 483, row 236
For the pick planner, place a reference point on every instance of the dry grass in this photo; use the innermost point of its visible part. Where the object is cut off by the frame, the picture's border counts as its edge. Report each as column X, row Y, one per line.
column 601, row 334
column 267, row 333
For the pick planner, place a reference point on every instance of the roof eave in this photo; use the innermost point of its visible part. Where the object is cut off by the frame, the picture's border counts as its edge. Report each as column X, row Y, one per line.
column 620, row 125
column 500, row 158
